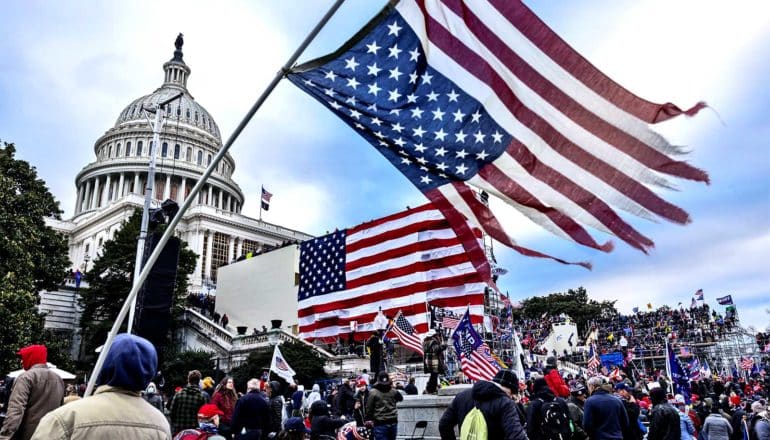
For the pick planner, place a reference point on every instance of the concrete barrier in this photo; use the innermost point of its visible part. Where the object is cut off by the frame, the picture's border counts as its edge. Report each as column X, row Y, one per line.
column 425, row 407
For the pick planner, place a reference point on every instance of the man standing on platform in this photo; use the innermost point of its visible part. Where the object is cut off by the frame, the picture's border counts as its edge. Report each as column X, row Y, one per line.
column 433, row 349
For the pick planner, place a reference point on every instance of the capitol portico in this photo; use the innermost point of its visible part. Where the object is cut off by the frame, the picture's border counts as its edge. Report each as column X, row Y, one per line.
column 112, row 187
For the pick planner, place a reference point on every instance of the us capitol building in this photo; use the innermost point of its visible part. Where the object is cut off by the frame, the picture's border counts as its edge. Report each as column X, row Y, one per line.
column 111, row 188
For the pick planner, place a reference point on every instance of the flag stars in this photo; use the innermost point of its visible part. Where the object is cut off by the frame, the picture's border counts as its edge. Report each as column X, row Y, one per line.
column 438, row 114
column 426, row 77
column 441, row 151
column 461, row 154
column 458, row 115
column 414, row 54
column 394, row 73
column 406, row 161
column 432, row 96
column 394, row 51
column 440, row 134
column 373, row 69
column 353, row 83
column 351, row 100
column 413, row 78
column 411, row 98
column 330, row 75
column 497, row 137
column 355, row 113
column 479, row 137
column 418, row 132
column 482, row 155
column 476, row 116
column 453, row 96
column 394, row 28
column 372, row 48
column 373, row 89
column 400, row 142
column 351, row 63
column 461, row 169
column 442, row 166
column 417, row 112
column 335, row 105
column 421, row 160
column 393, row 95
column 329, row 92
column 460, row 136
column 397, row 127
column 426, row 179
column 420, row 148
column 376, row 121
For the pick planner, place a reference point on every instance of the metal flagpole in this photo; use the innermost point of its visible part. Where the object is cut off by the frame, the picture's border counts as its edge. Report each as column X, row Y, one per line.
column 156, row 128
column 196, row 189
column 261, row 195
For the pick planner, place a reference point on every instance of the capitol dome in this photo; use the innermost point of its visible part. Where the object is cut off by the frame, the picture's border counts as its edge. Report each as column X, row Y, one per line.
column 189, row 139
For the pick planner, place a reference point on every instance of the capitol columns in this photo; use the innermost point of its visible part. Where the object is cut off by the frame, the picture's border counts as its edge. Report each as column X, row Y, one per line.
column 135, row 189
column 79, row 200
column 239, row 250
column 95, row 195
column 107, row 190
column 180, row 196
column 167, row 188
column 121, row 181
column 230, row 250
column 219, row 204
column 86, row 196
column 210, row 200
column 209, row 251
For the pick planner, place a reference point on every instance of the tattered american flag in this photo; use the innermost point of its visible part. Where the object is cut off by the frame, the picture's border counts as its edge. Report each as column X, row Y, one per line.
column 404, row 261
column 484, row 95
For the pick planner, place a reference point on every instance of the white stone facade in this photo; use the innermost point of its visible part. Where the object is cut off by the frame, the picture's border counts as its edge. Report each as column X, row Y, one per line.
column 113, row 186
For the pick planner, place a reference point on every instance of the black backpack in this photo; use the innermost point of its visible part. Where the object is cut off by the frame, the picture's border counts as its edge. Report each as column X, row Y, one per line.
column 555, row 423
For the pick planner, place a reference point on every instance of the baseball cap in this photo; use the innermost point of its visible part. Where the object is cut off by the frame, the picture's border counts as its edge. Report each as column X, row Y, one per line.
column 295, row 424
column 679, row 399
column 361, row 383
column 508, row 379
column 621, row 386
column 208, row 411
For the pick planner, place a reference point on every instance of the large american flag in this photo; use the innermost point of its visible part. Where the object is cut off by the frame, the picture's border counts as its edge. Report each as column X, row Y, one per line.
column 476, row 360
column 484, row 95
column 405, row 333
column 404, row 261
column 747, row 363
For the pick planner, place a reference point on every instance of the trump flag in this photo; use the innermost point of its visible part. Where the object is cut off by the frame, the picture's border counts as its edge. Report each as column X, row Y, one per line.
column 461, row 97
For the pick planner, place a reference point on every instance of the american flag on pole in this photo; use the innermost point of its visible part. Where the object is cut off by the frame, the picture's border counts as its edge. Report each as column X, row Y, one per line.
column 266, row 196
column 593, row 361
column 476, row 360
column 484, row 95
column 399, row 262
column 404, row 331
column 747, row 363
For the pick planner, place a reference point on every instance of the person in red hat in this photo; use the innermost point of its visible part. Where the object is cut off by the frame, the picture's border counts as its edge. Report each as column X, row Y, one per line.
column 36, row 392
column 208, row 425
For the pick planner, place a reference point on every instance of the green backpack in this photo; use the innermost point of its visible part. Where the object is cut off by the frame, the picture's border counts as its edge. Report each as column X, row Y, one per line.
column 474, row 426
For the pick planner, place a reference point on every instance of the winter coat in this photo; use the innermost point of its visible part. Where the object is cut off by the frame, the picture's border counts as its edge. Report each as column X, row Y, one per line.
column 313, row 396
column 434, row 359
column 556, row 383
column 184, row 408
column 111, row 413
column 686, row 426
column 35, row 392
column 225, row 401
column 633, row 432
column 665, row 423
column 345, row 401
column 716, row 428
column 542, row 394
column 762, row 428
column 499, row 412
column 604, row 416
column 251, row 412
column 381, row 405
column 321, row 423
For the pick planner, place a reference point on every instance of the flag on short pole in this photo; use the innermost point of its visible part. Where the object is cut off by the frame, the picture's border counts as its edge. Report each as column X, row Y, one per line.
column 280, row 367
column 484, row 96
column 699, row 295
column 476, row 360
column 725, row 300
column 404, row 331
column 266, row 196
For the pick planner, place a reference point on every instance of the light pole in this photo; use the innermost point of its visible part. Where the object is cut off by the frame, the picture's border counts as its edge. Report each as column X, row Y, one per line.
column 156, row 128
column 86, row 259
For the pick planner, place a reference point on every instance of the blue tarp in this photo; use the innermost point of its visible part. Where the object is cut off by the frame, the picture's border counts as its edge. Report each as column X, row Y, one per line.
column 612, row 359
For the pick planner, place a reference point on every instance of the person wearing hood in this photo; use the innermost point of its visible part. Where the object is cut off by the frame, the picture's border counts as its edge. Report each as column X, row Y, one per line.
column 553, row 378
column 314, row 396
column 542, row 396
column 37, row 391
column 381, row 408
column 716, row 427
column 276, row 407
column 665, row 423
column 604, row 417
column 433, row 361
column 152, row 397
column 322, row 424
column 494, row 400
column 116, row 410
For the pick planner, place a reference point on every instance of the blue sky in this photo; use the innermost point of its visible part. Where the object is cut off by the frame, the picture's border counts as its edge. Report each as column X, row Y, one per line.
column 68, row 68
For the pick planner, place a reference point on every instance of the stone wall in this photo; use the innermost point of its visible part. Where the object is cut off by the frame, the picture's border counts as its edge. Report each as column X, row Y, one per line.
column 425, row 407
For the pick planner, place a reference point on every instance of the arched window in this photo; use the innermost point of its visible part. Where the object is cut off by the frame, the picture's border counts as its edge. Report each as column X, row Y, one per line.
column 139, row 148
column 177, row 151
column 128, row 148
column 209, row 161
column 179, row 110
column 187, row 112
column 117, row 150
column 200, row 157
column 109, row 152
column 164, row 149
column 189, row 156
column 196, row 116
